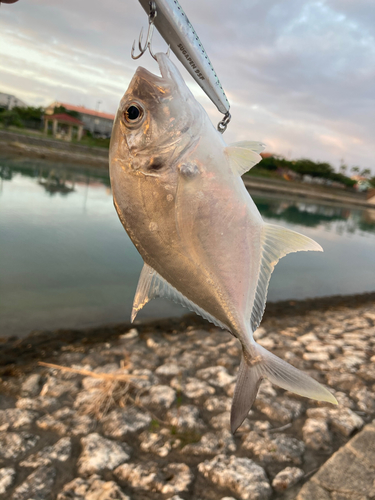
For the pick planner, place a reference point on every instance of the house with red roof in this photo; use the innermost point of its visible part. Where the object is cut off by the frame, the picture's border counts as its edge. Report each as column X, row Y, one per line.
column 64, row 126
column 98, row 123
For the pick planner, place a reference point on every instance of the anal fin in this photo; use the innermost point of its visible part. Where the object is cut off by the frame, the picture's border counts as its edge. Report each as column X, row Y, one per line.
column 151, row 285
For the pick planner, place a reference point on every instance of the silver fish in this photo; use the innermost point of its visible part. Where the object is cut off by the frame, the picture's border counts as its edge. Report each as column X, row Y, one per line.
column 178, row 192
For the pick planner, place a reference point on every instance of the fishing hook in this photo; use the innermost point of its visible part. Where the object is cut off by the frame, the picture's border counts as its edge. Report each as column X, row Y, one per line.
column 151, row 18
column 222, row 125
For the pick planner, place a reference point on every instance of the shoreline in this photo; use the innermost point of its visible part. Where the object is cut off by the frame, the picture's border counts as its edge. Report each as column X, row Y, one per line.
column 22, row 351
column 18, row 145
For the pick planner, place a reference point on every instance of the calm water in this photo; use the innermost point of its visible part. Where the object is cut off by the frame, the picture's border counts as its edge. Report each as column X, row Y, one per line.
column 66, row 261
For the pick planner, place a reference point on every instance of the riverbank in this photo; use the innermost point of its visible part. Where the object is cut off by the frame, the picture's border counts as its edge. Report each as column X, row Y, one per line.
column 145, row 411
column 19, row 145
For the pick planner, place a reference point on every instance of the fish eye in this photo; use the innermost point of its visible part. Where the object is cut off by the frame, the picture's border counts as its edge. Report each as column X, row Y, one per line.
column 133, row 113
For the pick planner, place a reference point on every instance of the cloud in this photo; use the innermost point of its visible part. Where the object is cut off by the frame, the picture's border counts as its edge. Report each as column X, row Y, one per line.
column 299, row 74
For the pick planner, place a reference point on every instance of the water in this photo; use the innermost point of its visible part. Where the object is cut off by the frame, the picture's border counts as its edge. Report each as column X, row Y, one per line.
column 65, row 260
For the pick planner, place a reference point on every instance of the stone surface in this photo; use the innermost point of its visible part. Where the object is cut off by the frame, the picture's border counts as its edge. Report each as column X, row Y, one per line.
column 349, row 473
column 240, row 475
column 119, row 423
column 15, row 418
column 192, row 387
column 14, row 445
column 287, row 478
column 60, row 451
column 316, row 434
column 93, row 488
column 7, row 475
column 99, row 454
column 279, row 448
column 185, row 417
column 31, row 385
column 174, row 478
column 212, row 444
column 175, row 414
column 37, row 485
column 160, row 396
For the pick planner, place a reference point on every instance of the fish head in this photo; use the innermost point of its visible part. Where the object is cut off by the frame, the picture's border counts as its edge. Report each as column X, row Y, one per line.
column 156, row 120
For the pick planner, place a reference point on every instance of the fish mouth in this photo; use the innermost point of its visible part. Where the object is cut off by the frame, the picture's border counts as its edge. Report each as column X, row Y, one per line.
column 169, row 73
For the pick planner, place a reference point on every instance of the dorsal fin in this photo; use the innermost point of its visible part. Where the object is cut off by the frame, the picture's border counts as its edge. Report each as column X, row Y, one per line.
column 255, row 146
column 151, row 285
column 276, row 243
column 242, row 158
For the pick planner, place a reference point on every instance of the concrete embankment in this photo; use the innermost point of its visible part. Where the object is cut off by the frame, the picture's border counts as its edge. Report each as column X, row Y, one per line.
column 302, row 190
column 16, row 144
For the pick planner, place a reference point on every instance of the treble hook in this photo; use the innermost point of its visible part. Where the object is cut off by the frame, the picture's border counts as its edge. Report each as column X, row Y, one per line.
column 151, row 19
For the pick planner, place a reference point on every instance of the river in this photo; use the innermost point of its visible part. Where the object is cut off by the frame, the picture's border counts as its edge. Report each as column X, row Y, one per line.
column 66, row 261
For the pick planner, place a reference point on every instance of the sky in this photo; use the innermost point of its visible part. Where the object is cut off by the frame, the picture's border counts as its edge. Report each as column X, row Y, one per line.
column 299, row 74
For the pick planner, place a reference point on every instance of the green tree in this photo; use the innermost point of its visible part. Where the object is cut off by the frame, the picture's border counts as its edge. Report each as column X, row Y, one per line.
column 366, row 172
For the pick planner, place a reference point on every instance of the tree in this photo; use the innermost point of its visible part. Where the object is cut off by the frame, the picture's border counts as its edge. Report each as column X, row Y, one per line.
column 355, row 170
column 366, row 172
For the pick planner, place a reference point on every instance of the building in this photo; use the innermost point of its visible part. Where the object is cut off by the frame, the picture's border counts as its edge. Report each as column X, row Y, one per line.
column 8, row 101
column 99, row 124
column 64, row 126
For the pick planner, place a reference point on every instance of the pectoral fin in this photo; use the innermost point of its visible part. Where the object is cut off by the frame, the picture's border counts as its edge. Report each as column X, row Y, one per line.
column 241, row 159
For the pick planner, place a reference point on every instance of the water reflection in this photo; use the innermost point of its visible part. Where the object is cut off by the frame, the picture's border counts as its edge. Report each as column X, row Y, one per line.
column 332, row 217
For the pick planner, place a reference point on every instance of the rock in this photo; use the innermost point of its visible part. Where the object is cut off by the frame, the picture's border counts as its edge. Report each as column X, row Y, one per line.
column 186, row 417
column 280, row 448
column 342, row 419
column 212, row 444
column 218, row 403
column 31, row 385
column 15, row 418
column 216, row 376
column 143, row 379
column 93, row 488
column 283, row 410
column 60, row 451
column 12, row 444
column 316, row 356
column 169, row 370
column 308, row 338
column 160, row 396
column 81, row 425
column 365, row 400
column 240, row 475
column 40, row 403
column 37, row 485
column 55, row 387
column 159, row 443
column 7, row 476
column 99, row 454
column 149, row 476
column 316, row 434
column 192, row 387
column 118, row 423
column 345, row 420
column 287, row 478
column 131, row 334
column 48, row 423
column 221, row 421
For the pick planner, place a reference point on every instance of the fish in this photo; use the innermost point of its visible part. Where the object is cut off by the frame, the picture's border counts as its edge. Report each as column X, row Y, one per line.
column 178, row 192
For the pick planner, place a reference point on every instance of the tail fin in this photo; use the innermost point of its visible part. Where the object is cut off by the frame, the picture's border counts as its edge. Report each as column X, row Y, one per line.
column 264, row 364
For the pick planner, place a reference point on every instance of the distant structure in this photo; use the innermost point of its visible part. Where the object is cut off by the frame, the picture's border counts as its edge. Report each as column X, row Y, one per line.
column 64, row 126
column 99, row 124
column 8, row 101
